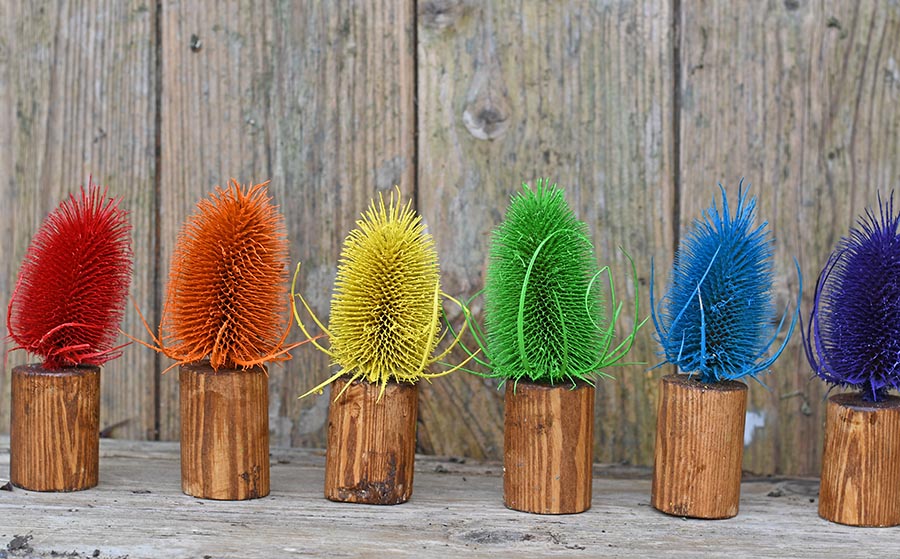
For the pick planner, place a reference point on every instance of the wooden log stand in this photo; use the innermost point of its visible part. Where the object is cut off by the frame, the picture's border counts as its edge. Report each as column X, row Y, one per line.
column 861, row 462
column 548, row 448
column 371, row 443
column 55, row 428
column 224, row 432
column 699, row 447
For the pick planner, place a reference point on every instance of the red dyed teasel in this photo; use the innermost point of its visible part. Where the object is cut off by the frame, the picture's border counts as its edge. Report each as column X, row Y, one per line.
column 70, row 295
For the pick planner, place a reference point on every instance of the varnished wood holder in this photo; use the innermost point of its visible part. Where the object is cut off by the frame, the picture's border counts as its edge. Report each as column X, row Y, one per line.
column 861, row 461
column 371, row 443
column 224, row 432
column 55, row 428
column 699, row 447
column 548, row 447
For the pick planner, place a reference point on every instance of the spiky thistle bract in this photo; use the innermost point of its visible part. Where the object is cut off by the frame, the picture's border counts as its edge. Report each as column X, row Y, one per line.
column 853, row 335
column 386, row 308
column 226, row 299
column 543, row 306
column 70, row 295
column 715, row 319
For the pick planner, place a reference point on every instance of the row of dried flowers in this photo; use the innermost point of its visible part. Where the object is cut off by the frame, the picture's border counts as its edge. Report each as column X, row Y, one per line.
column 549, row 332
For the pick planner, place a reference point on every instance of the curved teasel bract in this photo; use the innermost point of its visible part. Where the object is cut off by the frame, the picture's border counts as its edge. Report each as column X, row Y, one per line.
column 70, row 295
column 386, row 308
column 226, row 299
column 716, row 318
column 853, row 335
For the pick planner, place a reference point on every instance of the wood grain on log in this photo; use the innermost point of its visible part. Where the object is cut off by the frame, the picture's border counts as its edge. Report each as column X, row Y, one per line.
column 224, row 432
column 861, row 462
column 55, row 429
column 548, row 447
column 699, row 447
column 371, row 443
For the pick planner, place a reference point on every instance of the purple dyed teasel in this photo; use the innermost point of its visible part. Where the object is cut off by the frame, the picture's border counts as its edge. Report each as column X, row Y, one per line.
column 853, row 335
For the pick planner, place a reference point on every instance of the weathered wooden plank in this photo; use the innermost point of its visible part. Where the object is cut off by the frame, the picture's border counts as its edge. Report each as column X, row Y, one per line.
column 801, row 98
column 77, row 97
column 316, row 96
column 580, row 92
column 138, row 510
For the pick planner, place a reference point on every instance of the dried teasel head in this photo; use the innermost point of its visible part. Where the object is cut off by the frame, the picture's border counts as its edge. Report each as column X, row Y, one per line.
column 386, row 309
column 716, row 318
column 226, row 300
column 853, row 336
column 543, row 305
column 70, row 295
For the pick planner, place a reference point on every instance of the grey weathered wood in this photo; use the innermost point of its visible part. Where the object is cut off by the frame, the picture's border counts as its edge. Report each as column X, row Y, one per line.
column 801, row 98
column 316, row 96
column 138, row 510
column 580, row 92
column 78, row 97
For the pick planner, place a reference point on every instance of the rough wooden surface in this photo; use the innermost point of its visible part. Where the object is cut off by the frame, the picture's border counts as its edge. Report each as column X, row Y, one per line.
column 55, row 429
column 371, row 450
column 861, row 461
column 580, row 92
column 801, row 99
column 77, row 97
column 316, row 96
column 699, row 447
column 224, row 432
column 138, row 510
column 637, row 106
column 548, row 445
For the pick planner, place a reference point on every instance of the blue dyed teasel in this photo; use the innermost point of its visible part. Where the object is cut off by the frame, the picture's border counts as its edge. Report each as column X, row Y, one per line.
column 716, row 319
column 853, row 335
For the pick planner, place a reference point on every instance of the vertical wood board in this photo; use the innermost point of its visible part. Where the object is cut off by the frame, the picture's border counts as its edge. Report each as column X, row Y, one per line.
column 801, row 99
column 580, row 92
column 316, row 97
column 77, row 98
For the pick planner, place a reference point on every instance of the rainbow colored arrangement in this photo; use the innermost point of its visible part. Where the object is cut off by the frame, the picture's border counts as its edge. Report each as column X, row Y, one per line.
column 546, row 320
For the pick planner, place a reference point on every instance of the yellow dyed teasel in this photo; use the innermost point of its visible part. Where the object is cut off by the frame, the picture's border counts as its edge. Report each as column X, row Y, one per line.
column 387, row 305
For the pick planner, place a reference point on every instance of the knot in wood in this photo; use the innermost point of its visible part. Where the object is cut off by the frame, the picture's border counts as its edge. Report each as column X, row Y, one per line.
column 485, row 121
column 441, row 14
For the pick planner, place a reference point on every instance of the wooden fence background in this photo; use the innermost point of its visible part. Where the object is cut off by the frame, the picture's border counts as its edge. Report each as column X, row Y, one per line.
column 638, row 107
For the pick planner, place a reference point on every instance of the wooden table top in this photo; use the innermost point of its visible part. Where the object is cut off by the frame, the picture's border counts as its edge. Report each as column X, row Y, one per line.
column 456, row 510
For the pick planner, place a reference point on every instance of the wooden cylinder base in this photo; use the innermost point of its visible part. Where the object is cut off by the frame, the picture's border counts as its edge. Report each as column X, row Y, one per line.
column 224, row 432
column 548, row 448
column 699, row 447
column 861, row 462
column 55, row 428
column 371, row 443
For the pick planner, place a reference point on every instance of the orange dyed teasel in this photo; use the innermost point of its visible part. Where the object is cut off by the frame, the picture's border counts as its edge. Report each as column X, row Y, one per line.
column 227, row 296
